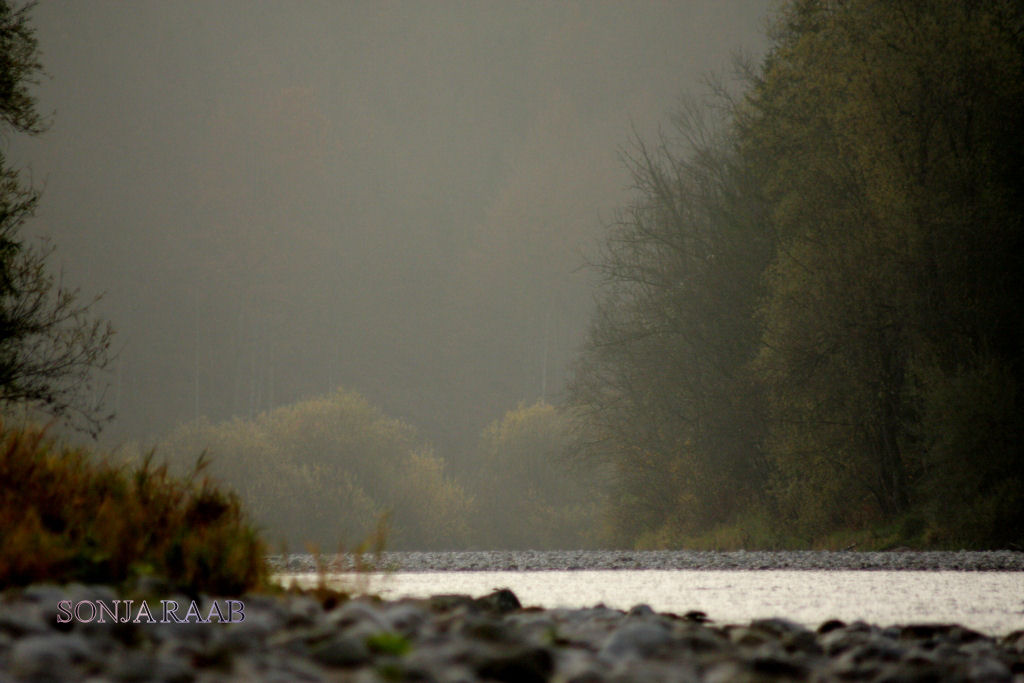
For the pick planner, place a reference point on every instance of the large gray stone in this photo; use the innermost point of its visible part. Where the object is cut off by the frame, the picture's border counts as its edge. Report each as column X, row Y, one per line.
column 341, row 650
column 637, row 639
column 55, row 657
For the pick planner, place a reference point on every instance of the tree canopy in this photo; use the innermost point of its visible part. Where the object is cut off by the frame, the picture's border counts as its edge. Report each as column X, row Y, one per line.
column 814, row 320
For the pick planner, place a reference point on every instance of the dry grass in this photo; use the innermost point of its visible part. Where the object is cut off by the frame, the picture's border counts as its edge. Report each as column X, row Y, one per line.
column 68, row 515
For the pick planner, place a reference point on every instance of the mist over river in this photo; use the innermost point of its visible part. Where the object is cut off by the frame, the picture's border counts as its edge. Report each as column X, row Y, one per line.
column 983, row 591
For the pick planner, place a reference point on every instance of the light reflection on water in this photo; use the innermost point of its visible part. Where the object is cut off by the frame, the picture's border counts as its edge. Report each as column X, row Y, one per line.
column 990, row 602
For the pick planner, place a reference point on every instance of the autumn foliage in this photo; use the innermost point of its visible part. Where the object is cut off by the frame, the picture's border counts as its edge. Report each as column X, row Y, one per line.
column 67, row 514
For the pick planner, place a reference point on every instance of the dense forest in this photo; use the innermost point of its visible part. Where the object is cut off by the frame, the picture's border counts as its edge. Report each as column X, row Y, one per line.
column 806, row 331
column 809, row 326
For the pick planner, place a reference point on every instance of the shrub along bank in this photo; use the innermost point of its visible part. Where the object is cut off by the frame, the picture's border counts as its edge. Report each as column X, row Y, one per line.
column 325, row 471
column 67, row 514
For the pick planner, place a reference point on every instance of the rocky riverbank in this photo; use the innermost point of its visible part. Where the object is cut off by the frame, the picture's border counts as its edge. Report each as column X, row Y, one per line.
column 459, row 638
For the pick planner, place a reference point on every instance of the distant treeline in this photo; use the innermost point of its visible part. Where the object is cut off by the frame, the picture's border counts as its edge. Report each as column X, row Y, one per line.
column 809, row 328
column 327, row 471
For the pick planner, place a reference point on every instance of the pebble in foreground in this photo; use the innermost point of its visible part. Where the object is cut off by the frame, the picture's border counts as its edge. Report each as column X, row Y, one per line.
column 458, row 638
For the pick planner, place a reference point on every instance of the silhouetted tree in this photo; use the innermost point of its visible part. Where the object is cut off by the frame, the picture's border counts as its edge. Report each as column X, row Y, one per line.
column 663, row 386
column 50, row 344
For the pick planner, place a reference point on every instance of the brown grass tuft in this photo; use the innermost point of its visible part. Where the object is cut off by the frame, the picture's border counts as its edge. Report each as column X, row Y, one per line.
column 67, row 514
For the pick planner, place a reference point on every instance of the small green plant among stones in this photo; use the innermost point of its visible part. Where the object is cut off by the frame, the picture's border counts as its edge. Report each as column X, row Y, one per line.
column 388, row 643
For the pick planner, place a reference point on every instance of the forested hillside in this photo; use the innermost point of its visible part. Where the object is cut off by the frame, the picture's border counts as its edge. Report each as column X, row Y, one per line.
column 808, row 329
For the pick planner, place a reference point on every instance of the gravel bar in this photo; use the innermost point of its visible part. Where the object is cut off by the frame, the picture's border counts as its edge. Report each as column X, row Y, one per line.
column 558, row 560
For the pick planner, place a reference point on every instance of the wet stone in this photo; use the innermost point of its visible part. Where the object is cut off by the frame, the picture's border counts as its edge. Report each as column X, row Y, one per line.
column 341, row 650
column 702, row 641
column 641, row 611
column 134, row 665
column 50, row 657
column 478, row 628
column 356, row 612
column 501, row 601
column 778, row 665
column 536, row 629
column 917, row 672
column 838, row 641
column 302, row 611
column 449, row 602
column 696, row 616
column 989, row 670
column 1014, row 640
column 830, row 625
column 518, row 666
column 406, row 618
column 747, row 637
column 24, row 619
column 636, row 639
column 257, row 626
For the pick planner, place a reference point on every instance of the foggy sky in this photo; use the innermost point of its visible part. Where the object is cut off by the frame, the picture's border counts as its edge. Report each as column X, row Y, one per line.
column 279, row 198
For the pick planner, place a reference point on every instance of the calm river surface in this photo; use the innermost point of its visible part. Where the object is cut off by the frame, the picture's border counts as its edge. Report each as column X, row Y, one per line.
column 990, row 602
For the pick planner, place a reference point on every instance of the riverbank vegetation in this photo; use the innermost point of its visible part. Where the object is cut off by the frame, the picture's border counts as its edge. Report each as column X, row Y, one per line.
column 326, row 471
column 68, row 515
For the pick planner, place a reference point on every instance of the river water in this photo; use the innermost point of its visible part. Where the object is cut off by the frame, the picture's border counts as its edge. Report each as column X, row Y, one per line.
column 991, row 602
